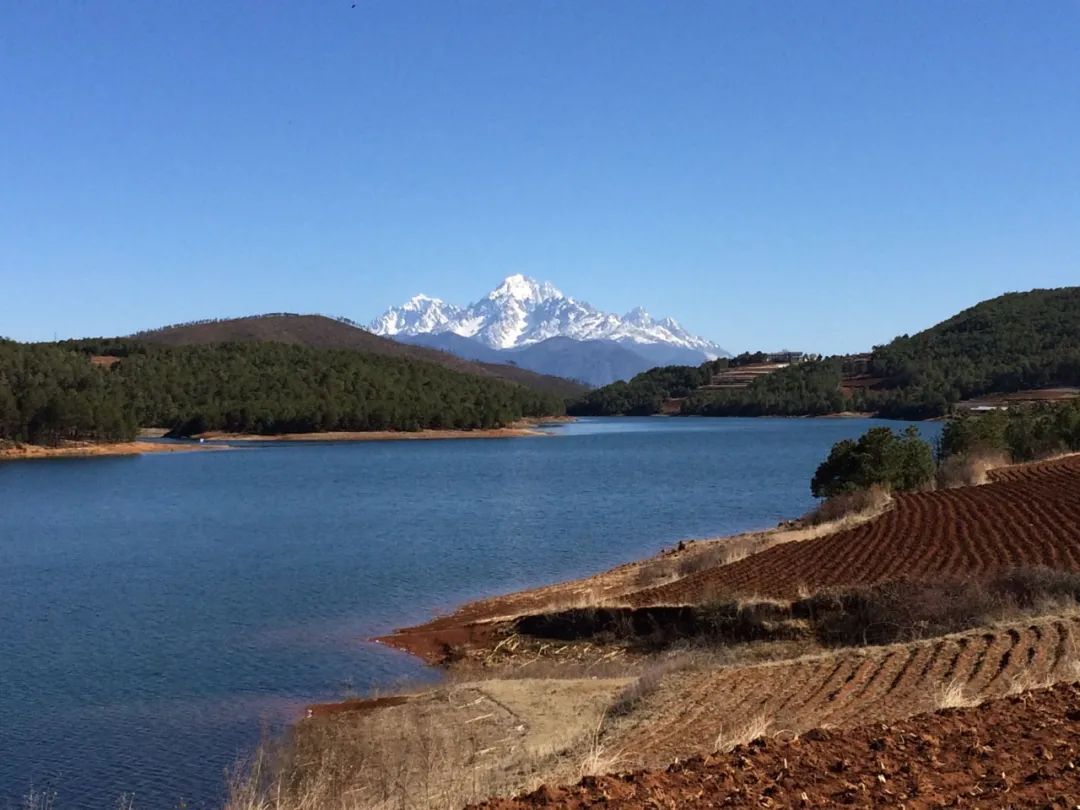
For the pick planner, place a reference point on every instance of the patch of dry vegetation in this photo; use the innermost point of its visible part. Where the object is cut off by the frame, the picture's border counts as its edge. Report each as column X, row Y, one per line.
column 969, row 469
column 848, row 506
column 836, row 514
column 441, row 749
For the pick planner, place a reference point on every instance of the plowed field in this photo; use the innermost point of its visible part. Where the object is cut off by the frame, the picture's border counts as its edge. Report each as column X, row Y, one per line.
column 1028, row 516
column 697, row 712
column 1016, row 752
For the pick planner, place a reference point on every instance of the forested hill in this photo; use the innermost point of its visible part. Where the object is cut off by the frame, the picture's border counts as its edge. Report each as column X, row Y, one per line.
column 54, row 392
column 1010, row 343
column 321, row 332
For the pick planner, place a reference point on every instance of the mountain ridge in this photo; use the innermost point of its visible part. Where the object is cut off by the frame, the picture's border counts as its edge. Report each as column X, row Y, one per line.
column 521, row 311
column 536, row 326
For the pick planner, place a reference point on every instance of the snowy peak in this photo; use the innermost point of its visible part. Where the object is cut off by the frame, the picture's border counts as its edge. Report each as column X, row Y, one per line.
column 521, row 311
column 521, row 288
column 419, row 315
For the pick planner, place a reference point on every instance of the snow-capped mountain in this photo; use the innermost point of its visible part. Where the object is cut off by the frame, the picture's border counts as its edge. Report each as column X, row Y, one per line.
column 521, row 312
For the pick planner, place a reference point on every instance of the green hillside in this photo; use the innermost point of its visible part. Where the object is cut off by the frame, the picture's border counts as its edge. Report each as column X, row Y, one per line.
column 1014, row 342
column 321, row 332
column 52, row 392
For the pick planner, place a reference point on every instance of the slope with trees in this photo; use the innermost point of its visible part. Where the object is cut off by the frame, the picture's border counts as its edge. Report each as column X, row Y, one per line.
column 321, row 332
column 1014, row 342
column 52, row 393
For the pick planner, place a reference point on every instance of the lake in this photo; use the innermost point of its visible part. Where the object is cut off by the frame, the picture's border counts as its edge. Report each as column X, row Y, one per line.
column 158, row 612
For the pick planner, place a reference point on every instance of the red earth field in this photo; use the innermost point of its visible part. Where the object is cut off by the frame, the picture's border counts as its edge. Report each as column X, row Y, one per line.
column 1022, row 751
column 695, row 712
column 1028, row 516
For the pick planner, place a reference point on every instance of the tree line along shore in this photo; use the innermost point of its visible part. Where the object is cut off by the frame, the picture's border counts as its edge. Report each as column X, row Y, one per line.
column 262, row 382
column 52, row 393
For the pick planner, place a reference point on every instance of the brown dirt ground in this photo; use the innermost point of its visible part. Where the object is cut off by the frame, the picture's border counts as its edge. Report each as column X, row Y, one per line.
column 1022, row 751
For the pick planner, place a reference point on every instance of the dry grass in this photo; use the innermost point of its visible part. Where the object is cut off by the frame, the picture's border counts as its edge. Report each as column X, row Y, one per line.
column 339, row 765
column 953, row 695
column 693, row 556
column 649, row 681
column 861, row 504
column 728, row 739
column 442, row 749
column 969, row 469
column 598, row 759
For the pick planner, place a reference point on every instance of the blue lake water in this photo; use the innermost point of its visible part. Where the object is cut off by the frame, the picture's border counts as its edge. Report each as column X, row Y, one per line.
column 157, row 612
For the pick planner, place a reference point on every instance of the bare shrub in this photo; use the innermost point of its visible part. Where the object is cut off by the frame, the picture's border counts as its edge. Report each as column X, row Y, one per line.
column 954, row 695
column 754, row 728
column 1038, row 588
column 849, row 504
column 649, row 629
column 711, row 556
column 598, row 759
column 659, row 571
column 969, row 469
column 645, row 684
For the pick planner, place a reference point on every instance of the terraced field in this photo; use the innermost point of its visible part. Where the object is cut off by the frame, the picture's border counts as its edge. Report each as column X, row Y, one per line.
column 1028, row 516
column 697, row 712
column 1015, row 752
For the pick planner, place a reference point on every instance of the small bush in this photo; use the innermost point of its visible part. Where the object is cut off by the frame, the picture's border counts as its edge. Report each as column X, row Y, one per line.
column 900, row 462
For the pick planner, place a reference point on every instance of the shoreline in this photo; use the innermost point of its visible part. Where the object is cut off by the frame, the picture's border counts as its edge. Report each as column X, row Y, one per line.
column 479, row 625
column 30, row 452
column 376, row 435
column 475, row 625
column 215, row 440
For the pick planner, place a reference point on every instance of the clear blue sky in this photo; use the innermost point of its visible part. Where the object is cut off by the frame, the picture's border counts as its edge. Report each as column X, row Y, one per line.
column 820, row 176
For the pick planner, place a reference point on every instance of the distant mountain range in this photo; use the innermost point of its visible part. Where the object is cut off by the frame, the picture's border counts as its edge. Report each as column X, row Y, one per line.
column 535, row 326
